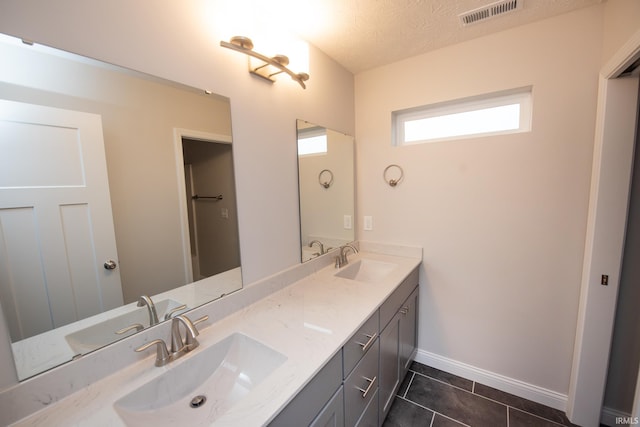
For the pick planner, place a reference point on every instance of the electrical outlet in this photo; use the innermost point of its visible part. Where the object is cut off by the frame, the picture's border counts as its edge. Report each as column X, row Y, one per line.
column 368, row 223
column 348, row 224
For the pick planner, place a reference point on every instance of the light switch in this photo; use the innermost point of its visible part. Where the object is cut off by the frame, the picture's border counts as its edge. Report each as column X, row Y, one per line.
column 368, row 223
column 224, row 213
column 348, row 225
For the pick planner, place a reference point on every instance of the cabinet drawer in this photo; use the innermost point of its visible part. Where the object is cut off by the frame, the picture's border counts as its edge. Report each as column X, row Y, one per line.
column 359, row 343
column 361, row 386
column 395, row 300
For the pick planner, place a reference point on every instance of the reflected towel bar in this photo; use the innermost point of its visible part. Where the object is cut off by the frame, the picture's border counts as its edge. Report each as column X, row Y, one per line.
column 196, row 197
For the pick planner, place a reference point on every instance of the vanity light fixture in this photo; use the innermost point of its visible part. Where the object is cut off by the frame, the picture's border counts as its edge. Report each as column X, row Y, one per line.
column 266, row 70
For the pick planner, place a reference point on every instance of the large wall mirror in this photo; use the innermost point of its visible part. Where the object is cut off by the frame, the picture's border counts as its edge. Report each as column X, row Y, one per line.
column 117, row 203
column 326, row 183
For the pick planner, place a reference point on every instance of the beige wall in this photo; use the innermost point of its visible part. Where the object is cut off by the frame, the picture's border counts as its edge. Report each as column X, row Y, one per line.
column 323, row 209
column 620, row 23
column 178, row 41
column 502, row 219
column 138, row 120
column 181, row 42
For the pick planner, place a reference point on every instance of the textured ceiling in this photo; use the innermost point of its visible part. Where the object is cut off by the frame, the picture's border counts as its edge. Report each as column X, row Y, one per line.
column 364, row 34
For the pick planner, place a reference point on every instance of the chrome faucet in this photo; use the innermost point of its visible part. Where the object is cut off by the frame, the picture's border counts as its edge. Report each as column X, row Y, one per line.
column 151, row 308
column 341, row 259
column 313, row 242
column 179, row 346
column 189, row 342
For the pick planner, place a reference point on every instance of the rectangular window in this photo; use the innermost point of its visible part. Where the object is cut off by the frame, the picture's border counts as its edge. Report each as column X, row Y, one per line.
column 312, row 141
column 492, row 114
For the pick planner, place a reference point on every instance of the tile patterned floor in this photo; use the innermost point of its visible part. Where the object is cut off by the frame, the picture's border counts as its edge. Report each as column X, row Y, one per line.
column 432, row 398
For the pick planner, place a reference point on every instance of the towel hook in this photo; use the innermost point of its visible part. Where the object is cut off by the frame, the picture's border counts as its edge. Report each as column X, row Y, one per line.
column 325, row 184
column 393, row 181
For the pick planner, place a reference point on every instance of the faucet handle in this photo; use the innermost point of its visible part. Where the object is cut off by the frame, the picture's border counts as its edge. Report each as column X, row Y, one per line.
column 137, row 326
column 162, row 356
column 200, row 320
column 174, row 311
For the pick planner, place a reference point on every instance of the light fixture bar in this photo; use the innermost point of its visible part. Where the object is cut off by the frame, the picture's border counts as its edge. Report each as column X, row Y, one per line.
column 245, row 45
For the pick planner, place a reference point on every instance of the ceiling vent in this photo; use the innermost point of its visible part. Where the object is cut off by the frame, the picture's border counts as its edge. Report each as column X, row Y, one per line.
column 490, row 11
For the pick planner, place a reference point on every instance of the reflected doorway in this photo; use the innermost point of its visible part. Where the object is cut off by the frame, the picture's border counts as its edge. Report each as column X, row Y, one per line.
column 211, row 207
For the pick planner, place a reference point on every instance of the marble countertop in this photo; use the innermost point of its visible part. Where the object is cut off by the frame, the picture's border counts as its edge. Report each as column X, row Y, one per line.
column 49, row 349
column 307, row 321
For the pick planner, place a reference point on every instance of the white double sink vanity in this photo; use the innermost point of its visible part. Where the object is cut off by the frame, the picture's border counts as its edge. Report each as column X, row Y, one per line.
column 313, row 345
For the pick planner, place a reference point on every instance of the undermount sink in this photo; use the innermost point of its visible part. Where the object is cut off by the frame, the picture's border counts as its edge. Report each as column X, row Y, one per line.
column 103, row 333
column 366, row 270
column 203, row 387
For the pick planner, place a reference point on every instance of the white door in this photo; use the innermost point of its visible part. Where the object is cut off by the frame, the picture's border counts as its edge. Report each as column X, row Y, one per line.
column 56, row 227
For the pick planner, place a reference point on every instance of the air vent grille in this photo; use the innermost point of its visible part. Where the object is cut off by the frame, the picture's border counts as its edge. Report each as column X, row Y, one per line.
column 490, row 11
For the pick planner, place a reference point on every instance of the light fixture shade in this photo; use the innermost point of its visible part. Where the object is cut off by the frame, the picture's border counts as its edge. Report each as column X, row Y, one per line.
column 269, row 66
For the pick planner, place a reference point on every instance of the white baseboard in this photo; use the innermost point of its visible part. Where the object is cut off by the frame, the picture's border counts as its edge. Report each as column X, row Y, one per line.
column 608, row 416
column 516, row 387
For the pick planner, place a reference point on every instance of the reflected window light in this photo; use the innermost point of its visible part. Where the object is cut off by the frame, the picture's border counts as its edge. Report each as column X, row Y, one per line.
column 312, row 142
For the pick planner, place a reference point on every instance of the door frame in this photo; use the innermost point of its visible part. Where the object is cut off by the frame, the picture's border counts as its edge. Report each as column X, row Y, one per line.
column 178, row 135
column 606, row 228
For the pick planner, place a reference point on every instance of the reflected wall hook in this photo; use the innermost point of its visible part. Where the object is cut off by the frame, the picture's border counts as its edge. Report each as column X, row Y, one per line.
column 326, row 173
column 393, row 181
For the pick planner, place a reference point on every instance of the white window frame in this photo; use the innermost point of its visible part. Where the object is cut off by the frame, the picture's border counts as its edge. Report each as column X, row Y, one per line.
column 522, row 97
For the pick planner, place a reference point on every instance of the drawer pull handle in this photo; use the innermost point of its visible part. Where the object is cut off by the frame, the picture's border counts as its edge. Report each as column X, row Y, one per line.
column 404, row 310
column 371, row 383
column 366, row 346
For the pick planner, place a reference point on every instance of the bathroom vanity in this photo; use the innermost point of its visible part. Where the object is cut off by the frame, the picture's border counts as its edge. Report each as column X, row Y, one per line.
column 332, row 345
column 362, row 379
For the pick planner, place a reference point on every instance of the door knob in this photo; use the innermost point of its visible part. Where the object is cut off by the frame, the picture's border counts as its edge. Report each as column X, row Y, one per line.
column 110, row 265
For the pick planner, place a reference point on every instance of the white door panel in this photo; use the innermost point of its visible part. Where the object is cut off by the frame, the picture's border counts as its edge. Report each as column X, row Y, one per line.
column 53, row 177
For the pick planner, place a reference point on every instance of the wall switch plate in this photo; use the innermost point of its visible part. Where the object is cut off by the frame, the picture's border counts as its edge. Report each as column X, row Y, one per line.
column 224, row 213
column 368, row 223
column 348, row 224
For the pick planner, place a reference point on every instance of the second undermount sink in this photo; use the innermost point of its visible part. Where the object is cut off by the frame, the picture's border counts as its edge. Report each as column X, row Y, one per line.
column 367, row 270
column 203, row 387
column 104, row 332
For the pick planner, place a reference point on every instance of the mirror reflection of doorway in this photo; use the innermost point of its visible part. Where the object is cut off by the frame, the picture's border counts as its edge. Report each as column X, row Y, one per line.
column 211, row 207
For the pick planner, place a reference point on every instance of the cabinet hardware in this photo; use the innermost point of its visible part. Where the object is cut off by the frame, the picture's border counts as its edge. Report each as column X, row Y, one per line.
column 366, row 346
column 404, row 310
column 371, row 383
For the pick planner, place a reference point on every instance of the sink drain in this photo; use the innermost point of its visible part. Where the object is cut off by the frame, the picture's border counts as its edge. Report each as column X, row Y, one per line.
column 198, row 401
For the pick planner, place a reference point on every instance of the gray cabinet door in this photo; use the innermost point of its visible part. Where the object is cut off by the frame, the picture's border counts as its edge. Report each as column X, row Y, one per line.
column 389, row 364
column 305, row 407
column 408, row 331
column 332, row 415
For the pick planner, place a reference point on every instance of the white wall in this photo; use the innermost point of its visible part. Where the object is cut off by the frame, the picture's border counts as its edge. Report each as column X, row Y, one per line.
column 620, row 22
column 502, row 219
column 179, row 41
column 323, row 209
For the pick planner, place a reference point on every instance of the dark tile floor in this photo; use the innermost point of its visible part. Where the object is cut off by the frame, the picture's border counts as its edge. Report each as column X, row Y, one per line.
column 433, row 398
